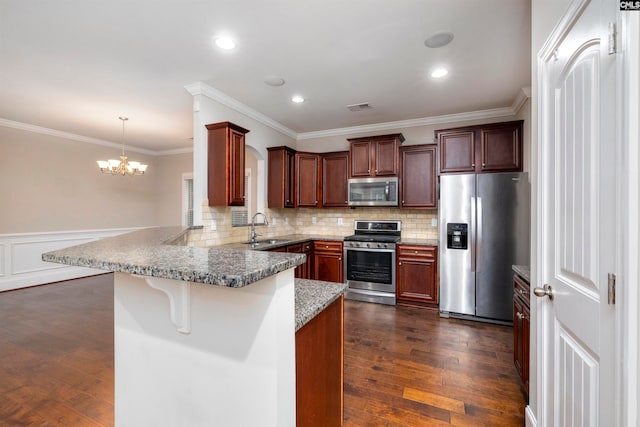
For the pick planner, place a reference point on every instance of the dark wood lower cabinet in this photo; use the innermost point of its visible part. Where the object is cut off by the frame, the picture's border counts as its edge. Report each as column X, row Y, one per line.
column 319, row 369
column 327, row 261
column 521, row 331
column 303, row 271
column 417, row 275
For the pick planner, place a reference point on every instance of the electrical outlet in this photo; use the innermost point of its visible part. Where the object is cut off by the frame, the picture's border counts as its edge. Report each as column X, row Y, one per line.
column 286, row 220
column 313, row 220
column 434, row 222
column 274, row 220
column 214, row 225
column 340, row 221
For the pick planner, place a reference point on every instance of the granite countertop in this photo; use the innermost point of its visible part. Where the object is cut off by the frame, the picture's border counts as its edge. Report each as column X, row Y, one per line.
column 313, row 296
column 522, row 271
column 419, row 242
column 150, row 252
column 290, row 239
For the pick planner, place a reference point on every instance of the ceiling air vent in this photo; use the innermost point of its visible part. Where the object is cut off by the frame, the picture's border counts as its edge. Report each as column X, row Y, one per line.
column 359, row 107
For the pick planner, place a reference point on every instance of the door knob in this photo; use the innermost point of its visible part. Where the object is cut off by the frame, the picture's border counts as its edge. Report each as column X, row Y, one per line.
column 545, row 291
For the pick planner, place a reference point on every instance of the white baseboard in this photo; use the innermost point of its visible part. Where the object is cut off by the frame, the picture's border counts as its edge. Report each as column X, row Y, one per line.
column 21, row 262
column 529, row 417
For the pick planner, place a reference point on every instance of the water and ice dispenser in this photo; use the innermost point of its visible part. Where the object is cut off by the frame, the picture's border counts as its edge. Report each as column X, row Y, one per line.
column 457, row 235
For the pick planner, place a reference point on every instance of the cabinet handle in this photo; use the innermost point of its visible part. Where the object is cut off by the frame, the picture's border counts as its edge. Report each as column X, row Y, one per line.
column 326, row 247
column 400, row 263
column 339, row 259
column 416, row 252
column 473, row 165
column 368, row 170
column 376, row 170
column 522, row 316
column 484, row 164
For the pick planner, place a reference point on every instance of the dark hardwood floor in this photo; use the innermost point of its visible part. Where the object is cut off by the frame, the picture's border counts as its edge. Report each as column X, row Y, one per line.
column 403, row 366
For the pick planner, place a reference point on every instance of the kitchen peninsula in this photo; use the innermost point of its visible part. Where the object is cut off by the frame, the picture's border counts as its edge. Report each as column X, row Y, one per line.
column 206, row 336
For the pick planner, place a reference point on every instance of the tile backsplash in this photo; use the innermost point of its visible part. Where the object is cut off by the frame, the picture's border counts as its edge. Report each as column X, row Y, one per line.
column 416, row 224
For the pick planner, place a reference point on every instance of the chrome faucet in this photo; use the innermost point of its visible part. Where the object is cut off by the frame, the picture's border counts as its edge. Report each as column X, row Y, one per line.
column 253, row 225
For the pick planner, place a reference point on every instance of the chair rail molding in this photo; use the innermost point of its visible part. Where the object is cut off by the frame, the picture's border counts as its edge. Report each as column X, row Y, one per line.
column 21, row 262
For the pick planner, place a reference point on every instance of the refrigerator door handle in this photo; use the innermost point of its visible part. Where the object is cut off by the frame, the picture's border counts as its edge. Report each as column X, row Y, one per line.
column 478, row 233
column 472, row 235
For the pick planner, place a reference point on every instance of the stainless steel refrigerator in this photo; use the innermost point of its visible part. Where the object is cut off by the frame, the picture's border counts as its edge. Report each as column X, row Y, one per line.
column 484, row 230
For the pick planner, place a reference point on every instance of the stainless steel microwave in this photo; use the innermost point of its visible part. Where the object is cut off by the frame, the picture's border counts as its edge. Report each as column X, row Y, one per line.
column 373, row 191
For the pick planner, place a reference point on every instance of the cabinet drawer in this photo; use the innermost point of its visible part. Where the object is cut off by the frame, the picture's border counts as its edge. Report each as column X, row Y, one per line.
column 295, row 248
column 325, row 246
column 416, row 251
column 307, row 247
column 521, row 289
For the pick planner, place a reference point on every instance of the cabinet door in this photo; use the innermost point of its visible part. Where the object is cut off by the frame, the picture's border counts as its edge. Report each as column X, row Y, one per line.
column 281, row 167
column 236, row 164
column 327, row 266
column 457, row 151
column 225, row 164
column 386, row 157
column 361, row 160
column 418, row 181
column 501, row 148
column 417, row 275
column 307, row 182
column 518, row 335
column 300, row 270
column 335, row 172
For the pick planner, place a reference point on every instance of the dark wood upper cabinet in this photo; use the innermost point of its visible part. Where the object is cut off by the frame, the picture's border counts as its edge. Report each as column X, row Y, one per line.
column 418, row 179
column 308, row 189
column 375, row 155
column 494, row 147
column 335, row 172
column 226, row 144
column 281, row 177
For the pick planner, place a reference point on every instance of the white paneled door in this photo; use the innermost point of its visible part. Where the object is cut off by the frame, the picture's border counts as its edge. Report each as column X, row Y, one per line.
column 578, row 234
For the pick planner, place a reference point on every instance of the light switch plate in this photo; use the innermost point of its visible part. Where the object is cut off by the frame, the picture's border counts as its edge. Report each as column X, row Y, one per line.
column 274, row 220
column 313, row 220
column 434, row 222
column 286, row 220
column 214, row 225
column 340, row 221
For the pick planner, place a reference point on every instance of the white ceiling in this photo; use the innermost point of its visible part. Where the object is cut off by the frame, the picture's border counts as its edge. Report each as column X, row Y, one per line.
column 76, row 65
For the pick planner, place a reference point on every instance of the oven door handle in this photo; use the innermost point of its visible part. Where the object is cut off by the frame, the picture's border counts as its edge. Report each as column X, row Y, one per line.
column 369, row 250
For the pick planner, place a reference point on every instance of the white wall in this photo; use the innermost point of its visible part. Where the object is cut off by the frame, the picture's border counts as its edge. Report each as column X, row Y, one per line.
column 53, row 196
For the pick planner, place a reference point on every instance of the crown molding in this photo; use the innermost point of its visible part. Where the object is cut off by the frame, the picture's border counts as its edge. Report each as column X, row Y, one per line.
column 174, row 151
column 200, row 88
column 72, row 136
column 401, row 124
column 523, row 95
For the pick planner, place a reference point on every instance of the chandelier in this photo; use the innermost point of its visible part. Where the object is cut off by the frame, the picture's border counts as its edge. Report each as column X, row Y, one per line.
column 122, row 166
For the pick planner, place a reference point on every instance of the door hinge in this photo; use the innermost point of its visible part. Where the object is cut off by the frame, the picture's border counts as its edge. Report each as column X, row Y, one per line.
column 612, row 288
column 612, row 38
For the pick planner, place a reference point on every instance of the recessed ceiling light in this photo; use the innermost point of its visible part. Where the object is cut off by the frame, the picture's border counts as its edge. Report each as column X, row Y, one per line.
column 439, row 72
column 297, row 99
column 274, row 80
column 225, row 43
column 438, row 39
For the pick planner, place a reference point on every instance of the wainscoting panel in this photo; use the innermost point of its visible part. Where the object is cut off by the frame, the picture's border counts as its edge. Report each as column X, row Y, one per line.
column 21, row 262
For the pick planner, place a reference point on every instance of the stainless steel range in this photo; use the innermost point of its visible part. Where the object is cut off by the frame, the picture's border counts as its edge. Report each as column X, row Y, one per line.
column 370, row 261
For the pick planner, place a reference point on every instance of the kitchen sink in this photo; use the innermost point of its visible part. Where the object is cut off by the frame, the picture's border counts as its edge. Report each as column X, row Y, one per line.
column 265, row 242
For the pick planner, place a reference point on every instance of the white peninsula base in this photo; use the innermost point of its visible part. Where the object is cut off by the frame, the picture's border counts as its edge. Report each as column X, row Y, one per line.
column 190, row 354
